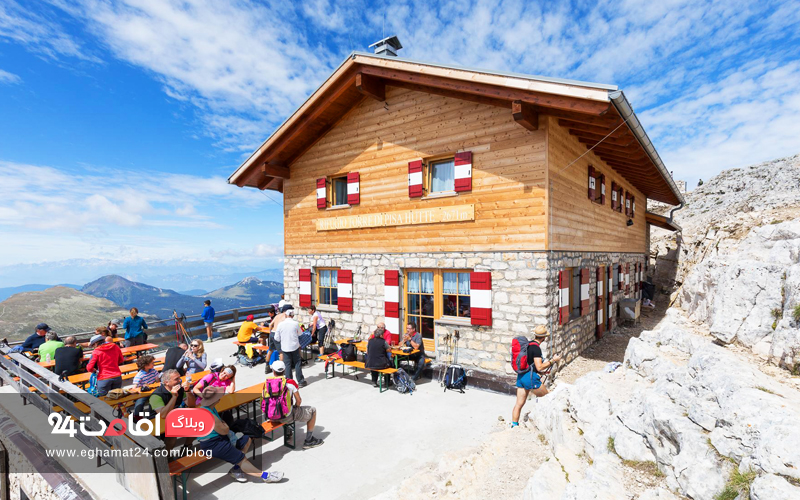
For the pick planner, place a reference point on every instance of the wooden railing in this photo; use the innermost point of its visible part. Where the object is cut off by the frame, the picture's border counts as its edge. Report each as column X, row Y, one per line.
column 144, row 474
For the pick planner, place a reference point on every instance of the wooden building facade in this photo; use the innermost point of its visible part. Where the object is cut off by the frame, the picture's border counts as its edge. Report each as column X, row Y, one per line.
column 463, row 200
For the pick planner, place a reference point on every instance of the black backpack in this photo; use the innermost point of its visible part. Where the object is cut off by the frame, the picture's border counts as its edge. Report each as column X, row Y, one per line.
column 455, row 378
column 349, row 352
column 402, row 382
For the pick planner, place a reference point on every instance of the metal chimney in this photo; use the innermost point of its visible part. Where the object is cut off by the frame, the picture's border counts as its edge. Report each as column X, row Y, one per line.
column 387, row 47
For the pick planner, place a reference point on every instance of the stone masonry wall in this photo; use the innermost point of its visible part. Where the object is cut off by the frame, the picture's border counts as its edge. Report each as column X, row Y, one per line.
column 524, row 295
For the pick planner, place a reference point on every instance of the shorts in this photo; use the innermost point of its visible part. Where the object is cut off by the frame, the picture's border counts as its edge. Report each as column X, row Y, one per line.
column 221, row 447
column 274, row 345
column 321, row 332
column 209, row 323
column 299, row 414
column 529, row 381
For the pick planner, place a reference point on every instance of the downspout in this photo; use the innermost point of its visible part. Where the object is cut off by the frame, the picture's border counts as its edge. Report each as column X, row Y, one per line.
column 625, row 110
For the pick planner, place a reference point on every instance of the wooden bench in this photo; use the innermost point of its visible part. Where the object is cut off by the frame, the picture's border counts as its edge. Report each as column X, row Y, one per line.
column 357, row 365
column 180, row 468
column 270, row 427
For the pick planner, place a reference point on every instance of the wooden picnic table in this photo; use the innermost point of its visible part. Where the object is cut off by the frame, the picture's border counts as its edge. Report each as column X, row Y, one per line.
column 137, row 395
column 116, row 340
column 82, row 378
column 126, row 351
column 362, row 347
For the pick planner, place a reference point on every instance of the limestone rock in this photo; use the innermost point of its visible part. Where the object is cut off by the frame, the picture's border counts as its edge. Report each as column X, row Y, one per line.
column 549, row 481
column 771, row 487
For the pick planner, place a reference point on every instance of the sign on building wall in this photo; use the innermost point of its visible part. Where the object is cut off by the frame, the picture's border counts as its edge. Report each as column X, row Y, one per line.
column 437, row 215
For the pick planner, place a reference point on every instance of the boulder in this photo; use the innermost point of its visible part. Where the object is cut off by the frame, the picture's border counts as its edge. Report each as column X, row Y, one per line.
column 772, row 487
column 602, row 481
column 549, row 481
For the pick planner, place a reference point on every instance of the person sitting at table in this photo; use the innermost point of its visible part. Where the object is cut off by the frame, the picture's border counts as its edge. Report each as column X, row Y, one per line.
column 173, row 355
column 225, row 378
column 378, row 355
column 146, row 376
column 194, row 359
column 47, row 351
column 413, row 339
column 245, row 334
column 134, row 326
column 298, row 413
column 37, row 338
column 69, row 358
column 222, row 443
column 106, row 359
column 169, row 395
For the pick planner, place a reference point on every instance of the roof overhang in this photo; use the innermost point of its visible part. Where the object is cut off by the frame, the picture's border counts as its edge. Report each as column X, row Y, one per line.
column 592, row 112
column 661, row 221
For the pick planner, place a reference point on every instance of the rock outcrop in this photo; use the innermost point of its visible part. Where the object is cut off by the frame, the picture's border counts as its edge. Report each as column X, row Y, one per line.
column 683, row 413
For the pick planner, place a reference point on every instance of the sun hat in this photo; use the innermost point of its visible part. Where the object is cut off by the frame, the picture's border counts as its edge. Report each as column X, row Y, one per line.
column 541, row 331
column 278, row 366
column 211, row 395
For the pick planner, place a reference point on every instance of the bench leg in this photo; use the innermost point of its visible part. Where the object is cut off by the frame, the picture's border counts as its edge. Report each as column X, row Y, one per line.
column 184, row 480
column 286, row 438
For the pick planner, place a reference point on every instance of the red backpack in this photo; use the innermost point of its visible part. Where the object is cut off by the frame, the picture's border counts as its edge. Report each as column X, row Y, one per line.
column 519, row 354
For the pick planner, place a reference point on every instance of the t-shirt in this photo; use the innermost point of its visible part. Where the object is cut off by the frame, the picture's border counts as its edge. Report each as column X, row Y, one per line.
column 68, row 359
column 417, row 339
column 144, row 378
column 534, row 351
column 49, row 348
column 134, row 326
column 288, row 333
column 246, row 331
column 318, row 318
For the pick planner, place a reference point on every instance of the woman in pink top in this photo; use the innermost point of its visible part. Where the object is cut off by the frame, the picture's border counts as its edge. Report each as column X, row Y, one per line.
column 226, row 378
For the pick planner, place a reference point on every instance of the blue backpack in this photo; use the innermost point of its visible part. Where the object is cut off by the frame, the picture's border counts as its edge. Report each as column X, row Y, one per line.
column 455, row 378
column 93, row 391
column 402, row 382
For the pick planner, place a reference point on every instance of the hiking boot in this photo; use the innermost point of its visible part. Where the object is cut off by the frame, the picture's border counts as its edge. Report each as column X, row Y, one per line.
column 303, row 383
column 238, row 474
column 312, row 443
column 271, row 477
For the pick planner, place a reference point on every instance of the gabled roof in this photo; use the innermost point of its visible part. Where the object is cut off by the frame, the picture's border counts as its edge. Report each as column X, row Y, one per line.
column 590, row 111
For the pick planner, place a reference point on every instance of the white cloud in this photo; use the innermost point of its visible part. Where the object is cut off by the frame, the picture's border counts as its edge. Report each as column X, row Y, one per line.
column 10, row 78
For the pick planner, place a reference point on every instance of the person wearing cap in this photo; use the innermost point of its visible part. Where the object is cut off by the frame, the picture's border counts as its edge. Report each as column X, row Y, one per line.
column 208, row 320
column 106, row 358
column 530, row 381
column 112, row 328
column 68, row 358
column 222, row 443
column 246, row 335
column 37, row 338
column 134, row 326
column 299, row 413
column 47, row 351
column 288, row 334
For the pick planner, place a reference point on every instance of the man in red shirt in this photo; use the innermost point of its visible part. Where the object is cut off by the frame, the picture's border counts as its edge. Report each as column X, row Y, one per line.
column 106, row 359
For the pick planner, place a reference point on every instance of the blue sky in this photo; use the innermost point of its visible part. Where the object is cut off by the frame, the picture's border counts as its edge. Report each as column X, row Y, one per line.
column 120, row 121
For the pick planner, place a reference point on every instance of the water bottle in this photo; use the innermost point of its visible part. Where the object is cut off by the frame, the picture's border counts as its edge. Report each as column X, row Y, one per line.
column 47, row 358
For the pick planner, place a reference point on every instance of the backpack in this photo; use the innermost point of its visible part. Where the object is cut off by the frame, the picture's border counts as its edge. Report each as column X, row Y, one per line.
column 519, row 354
column 243, row 360
column 304, row 338
column 93, row 385
column 402, row 382
column 276, row 401
column 455, row 378
column 349, row 352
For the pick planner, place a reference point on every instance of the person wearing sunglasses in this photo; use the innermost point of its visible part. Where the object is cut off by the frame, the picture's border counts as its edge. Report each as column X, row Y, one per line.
column 194, row 360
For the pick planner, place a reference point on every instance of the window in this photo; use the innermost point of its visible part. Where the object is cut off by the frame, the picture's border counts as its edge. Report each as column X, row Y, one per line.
column 328, row 287
column 574, row 292
column 441, row 176
column 433, row 294
column 338, row 194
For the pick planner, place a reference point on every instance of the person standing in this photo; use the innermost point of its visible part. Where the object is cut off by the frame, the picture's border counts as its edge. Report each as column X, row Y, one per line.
column 530, row 381
column 134, row 327
column 208, row 319
column 106, row 359
column 288, row 335
column 318, row 328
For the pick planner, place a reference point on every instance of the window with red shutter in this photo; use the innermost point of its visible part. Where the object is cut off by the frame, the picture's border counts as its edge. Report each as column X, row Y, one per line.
column 322, row 193
column 415, row 179
column 463, row 171
column 353, row 188
column 592, row 183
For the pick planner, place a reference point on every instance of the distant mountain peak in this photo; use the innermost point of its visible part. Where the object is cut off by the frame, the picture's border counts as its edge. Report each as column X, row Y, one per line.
column 250, row 280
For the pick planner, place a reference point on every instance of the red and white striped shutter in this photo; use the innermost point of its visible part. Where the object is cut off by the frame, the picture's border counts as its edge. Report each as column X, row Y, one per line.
column 480, row 298
column 563, row 297
column 599, row 306
column 627, row 279
column 345, row 289
column 463, row 171
column 592, row 181
column 584, row 291
column 415, row 179
column 305, row 288
column 627, row 203
column 602, row 189
column 391, row 301
column 322, row 195
column 614, row 199
column 620, row 278
column 353, row 194
column 610, row 300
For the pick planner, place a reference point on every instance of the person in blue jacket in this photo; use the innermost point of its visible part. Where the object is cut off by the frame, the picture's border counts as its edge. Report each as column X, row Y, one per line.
column 208, row 319
column 134, row 327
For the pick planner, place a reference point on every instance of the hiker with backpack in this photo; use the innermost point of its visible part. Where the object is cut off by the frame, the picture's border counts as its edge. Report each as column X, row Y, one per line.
column 527, row 362
column 281, row 402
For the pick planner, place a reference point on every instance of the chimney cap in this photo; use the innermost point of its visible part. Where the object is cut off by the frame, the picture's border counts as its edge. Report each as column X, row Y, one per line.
column 392, row 41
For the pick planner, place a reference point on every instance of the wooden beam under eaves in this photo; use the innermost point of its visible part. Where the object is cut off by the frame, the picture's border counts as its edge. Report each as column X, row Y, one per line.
column 276, row 184
column 275, row 169
column 371, row 86
column 264, row 182
column 525, row 115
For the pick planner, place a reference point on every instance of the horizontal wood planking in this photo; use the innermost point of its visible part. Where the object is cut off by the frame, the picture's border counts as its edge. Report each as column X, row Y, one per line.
column 575, row 222
column 508, row 177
